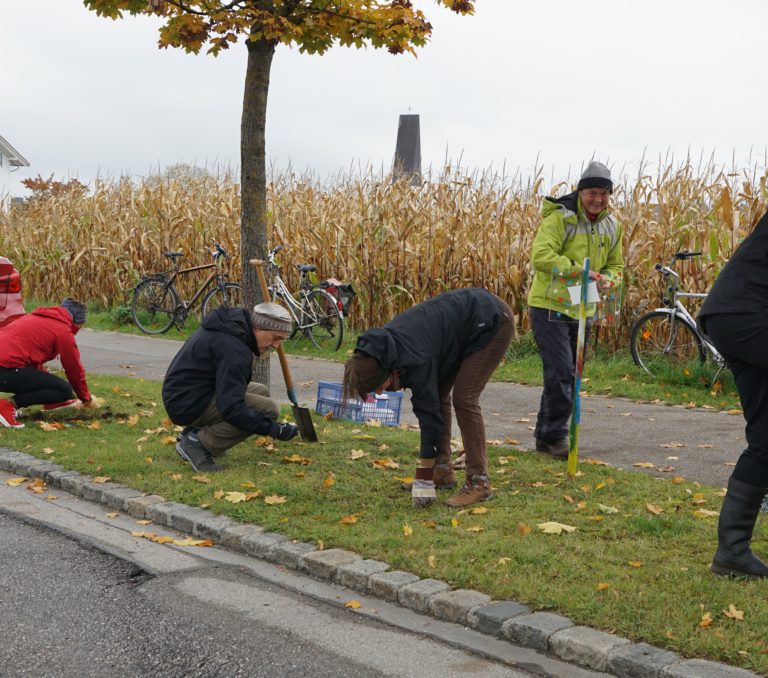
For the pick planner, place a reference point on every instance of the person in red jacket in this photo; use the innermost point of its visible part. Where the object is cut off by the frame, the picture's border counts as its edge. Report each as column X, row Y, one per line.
column 30, row 342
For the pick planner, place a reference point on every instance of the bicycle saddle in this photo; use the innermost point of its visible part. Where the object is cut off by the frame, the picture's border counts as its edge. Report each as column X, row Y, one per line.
column 173, row 255
column 306, row 268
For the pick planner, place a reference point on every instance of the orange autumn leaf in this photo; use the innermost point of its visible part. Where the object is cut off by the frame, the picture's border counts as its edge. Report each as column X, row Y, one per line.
column 523, row 529
column 352, row 605
column 349, row 520
column 385, row 463
column 407, row 530
column 602, row 586
column 330, row 481
column 274, row 499
column 15, row 482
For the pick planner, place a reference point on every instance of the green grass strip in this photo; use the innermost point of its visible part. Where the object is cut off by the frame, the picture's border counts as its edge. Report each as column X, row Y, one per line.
column 635, row 564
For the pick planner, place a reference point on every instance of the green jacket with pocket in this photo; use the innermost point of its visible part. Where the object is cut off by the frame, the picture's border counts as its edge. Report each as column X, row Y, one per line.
column 564, row 238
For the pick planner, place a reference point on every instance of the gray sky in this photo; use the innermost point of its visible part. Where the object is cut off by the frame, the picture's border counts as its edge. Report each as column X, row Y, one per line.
column 557, row 80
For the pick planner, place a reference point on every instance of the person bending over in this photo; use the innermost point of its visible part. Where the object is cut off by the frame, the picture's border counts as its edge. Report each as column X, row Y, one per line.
column 208, row 388
column 26, row 345
column 445, row 350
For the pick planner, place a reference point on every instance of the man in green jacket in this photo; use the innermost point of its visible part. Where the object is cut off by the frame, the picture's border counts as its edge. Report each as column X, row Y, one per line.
column 573, row 227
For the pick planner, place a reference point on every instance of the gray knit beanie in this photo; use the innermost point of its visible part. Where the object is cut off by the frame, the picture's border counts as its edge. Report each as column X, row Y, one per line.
column 76, row 309
column 596, row 175
column 269, row 316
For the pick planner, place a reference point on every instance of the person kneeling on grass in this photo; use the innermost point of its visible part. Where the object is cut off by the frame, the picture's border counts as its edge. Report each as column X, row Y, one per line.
column 444, row 349
column 208, row 387
column 26, row 345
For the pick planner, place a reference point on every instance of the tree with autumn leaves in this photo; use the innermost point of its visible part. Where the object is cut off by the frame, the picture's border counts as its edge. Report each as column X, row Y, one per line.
column 314, row 26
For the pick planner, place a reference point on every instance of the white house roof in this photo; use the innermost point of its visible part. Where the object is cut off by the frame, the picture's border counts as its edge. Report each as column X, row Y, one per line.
column 15, row 158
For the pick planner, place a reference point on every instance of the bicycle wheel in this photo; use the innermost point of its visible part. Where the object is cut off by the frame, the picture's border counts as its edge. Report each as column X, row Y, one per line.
column 230, row 297
column 325, row 324
column 154, row 301
column 663, row 345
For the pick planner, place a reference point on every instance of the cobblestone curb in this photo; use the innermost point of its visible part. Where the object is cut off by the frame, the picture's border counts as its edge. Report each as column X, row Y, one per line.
column 543, row 631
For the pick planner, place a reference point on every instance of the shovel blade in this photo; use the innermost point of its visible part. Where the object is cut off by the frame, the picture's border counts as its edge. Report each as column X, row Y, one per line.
column 303, row 420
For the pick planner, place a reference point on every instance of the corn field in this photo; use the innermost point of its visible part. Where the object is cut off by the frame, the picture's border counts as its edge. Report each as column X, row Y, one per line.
column 397, row 243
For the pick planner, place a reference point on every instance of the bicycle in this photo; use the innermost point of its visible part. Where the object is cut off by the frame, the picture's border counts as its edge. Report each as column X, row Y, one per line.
column 156, row 304
column 317, row 314
column 668, row 337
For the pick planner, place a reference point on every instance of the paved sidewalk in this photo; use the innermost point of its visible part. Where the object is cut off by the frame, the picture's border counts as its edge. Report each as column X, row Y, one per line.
column 615, row 430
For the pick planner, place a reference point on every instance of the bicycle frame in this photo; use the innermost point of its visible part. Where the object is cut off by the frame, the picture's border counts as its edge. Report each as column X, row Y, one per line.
column 675, row 307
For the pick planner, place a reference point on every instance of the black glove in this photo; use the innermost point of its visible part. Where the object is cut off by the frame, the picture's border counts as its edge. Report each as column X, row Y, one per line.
column 283, row 431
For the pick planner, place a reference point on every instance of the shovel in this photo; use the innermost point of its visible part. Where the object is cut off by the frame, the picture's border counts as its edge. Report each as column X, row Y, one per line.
column 300, row 414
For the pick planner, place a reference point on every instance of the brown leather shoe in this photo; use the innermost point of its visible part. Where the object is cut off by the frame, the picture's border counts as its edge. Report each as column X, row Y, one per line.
column 558, row 448
column 443, row 476
column 474, row 491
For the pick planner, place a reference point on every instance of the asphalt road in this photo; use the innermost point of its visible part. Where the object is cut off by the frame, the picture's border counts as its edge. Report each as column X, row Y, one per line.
column 699, row 444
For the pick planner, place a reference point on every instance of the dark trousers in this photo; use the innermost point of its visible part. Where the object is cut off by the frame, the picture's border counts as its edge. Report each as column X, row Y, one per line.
column 743, row 340
column 31, row 386
column 462, row 388
column 556, row 339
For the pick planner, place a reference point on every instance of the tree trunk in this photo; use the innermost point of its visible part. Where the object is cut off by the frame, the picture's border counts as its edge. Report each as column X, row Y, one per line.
column 253, row 177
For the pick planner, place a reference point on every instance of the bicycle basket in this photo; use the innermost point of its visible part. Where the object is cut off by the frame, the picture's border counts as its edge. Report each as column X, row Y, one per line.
column 344, row 292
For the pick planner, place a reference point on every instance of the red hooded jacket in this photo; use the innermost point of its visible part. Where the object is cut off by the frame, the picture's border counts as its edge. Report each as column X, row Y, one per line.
column 40, row 336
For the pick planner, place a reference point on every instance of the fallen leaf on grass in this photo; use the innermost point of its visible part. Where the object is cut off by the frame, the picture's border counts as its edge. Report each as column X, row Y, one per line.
column 703, row 513
column 297, row 459
column 407, row 530
column 607, row 509
column 352, row 604
column 96, row 425
column 349, row 520
column 357, row 454
column 235, row 497
column 385, row 463
column 504, row 561
column 328, row 416
column 132, row 420
column 365, row 436
column 432, row 561
column 706, row 621
column 330, row 481
column 248, row 485
column 373, row 423
column 48, row 428
column 733, row 613
column 201, row 478
column 555, row 528
column 274, row 499
column 454, row 522
column 480, row 510
column 644, row 464
column 602, row 586
column 168, row 440
column 635, row 563
column 149, row 460
column 678, row 479
column 475, row 528
column 15, row 482
column 523, row 529
column 101, row 479
column 48, row 450
column 654, row 509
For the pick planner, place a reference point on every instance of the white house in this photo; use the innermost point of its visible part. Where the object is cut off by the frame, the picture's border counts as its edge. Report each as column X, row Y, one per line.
column 10, row 161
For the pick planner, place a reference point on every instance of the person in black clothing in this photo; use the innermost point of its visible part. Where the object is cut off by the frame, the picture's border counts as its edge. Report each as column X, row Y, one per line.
column 445, row 350
column 208, row 387
column 735, row 317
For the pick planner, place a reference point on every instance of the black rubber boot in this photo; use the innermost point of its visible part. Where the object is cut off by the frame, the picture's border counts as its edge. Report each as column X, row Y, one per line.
column 734, row 532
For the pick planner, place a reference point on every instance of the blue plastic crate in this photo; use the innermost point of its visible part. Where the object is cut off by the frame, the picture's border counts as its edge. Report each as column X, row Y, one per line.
column 384, row 408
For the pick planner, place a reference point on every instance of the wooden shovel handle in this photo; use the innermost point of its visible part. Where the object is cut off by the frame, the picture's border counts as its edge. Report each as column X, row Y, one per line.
column 258, row 264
